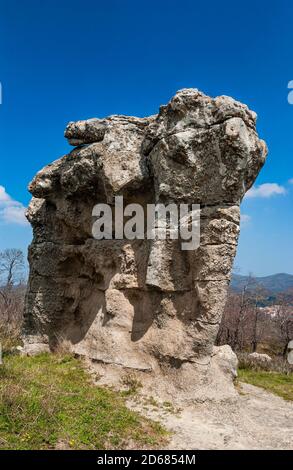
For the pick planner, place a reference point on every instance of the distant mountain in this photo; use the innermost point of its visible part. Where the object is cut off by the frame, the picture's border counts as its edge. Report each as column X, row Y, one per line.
column 274, row 283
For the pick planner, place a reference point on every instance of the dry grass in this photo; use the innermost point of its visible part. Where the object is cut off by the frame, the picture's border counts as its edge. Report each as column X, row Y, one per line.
column 277, row 364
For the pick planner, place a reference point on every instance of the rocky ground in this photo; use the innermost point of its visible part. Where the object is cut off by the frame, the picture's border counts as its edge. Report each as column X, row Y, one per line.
column 256, row 420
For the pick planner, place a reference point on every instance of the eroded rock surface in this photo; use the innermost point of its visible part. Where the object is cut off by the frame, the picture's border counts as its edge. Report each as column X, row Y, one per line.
column 142, row 305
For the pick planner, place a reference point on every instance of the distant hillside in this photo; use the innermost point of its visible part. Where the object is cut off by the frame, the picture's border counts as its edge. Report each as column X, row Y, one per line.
column 274, row 283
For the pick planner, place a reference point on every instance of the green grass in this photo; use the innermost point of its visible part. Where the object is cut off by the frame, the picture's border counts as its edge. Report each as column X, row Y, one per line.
column 277, row 383
column 48, row 402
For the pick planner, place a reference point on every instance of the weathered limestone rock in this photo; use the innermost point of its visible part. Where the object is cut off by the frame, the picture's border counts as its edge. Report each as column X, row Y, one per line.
column 142, row 305
column 259, row 360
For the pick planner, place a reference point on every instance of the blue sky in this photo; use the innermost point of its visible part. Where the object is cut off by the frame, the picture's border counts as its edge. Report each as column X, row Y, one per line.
column 68, row 60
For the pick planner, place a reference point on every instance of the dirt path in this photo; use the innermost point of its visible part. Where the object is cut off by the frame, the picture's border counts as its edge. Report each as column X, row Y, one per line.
column 259, row 420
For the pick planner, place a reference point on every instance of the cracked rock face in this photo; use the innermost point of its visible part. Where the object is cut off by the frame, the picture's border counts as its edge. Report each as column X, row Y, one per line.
column 141, row 305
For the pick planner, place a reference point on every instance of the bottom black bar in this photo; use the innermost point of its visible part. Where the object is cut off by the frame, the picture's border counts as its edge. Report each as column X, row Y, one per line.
column 133, row 459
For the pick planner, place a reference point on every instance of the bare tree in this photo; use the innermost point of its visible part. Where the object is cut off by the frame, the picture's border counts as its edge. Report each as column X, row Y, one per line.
column 240, row 326
column 12, row 291
column 255, row 320
column 243, row 315
column 11, row 266
column 257, row 296
column 284, row 313
column 226, row 334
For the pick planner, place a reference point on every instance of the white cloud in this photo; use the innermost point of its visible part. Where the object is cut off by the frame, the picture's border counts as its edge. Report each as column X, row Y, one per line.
column 265, row 190
column 11, row 211
column 290, row 181
column 245, row 220
column 4, row 197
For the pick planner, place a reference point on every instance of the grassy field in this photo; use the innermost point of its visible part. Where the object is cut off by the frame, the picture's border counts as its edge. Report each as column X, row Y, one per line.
column 277, row 383
column 49, row 402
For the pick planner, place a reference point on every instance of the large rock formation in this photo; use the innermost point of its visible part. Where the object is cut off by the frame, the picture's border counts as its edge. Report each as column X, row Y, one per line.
column 142, row 305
